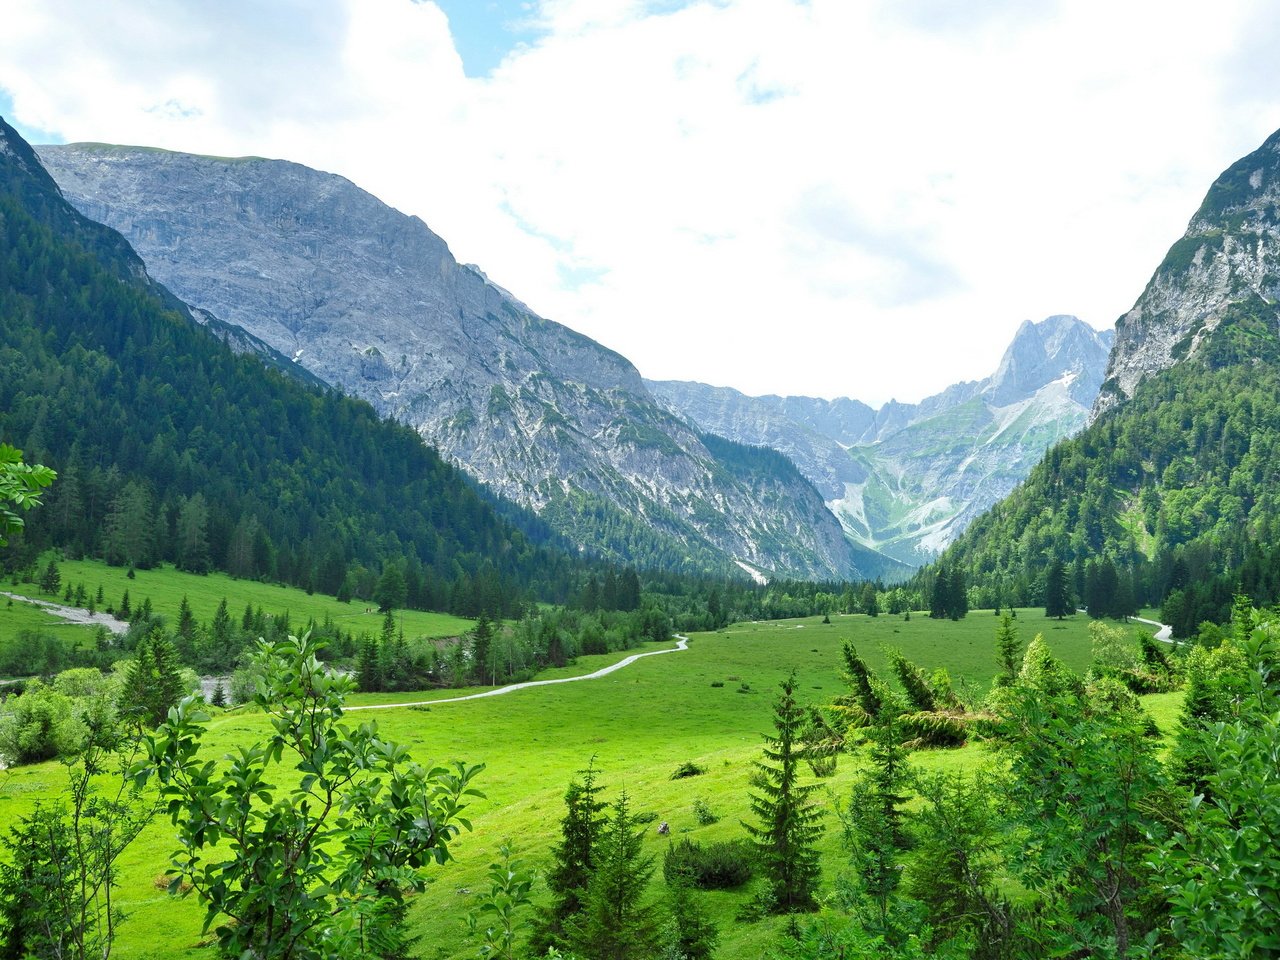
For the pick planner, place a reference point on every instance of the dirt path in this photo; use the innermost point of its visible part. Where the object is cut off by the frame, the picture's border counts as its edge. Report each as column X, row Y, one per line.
column 1164, row 634
column 682, row 643
column 73, row 614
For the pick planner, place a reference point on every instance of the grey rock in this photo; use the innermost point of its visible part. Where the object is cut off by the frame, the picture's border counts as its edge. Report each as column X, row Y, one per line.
column 1229, row 254
column 906, row 479
column 370, row 300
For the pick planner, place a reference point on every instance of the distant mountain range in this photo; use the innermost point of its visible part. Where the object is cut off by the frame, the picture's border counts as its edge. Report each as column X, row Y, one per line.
column 304, row 267
column 372, row 301
column 904, row 480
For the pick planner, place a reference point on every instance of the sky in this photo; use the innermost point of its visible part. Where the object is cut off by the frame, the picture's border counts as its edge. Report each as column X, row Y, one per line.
column 859, row 198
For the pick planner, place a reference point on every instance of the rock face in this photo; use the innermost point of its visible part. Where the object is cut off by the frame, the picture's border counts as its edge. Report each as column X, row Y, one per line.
column 906, row 479
column 372, row 301
column 1225, row 269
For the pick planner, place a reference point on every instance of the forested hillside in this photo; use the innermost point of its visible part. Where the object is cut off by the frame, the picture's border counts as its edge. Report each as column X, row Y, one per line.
column 1171, row 496
column 171, row 447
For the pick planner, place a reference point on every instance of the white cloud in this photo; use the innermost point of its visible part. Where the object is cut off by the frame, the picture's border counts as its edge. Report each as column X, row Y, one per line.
column 817, row 197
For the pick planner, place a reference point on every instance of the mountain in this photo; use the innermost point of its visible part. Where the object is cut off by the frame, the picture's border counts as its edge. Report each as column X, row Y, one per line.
column 170, row 445
column 1175, row 485
column 904, row 480
column 372, row 301
column 1222, row 275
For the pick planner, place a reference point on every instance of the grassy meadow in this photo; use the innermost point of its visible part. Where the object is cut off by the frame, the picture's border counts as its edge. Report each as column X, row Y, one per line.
column 166, row 587
column 639, row 724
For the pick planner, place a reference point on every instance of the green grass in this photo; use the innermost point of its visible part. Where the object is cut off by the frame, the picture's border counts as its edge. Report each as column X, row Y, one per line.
column 17, row 616
column 167, row 586
column 639, row 724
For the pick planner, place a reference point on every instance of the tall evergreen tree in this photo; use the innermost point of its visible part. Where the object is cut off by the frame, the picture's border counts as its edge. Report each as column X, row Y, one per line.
column 482, row 649
column 786, row 827
column 615, row 924
column 1057, row 599
column 152, row 684
column 193, row 535
column 574, row 859
column 940, row 596
column 1008, row 650
column 957, row 595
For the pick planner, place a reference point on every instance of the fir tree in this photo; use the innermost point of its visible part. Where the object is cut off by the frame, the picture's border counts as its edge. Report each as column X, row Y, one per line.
column 957, row 595
column 787, row 820
column 614, row 923
column 1057, row 599
column 1008, row 650
column 940, row 596
column 152, row 683
column 573, row 858
column 51, row 579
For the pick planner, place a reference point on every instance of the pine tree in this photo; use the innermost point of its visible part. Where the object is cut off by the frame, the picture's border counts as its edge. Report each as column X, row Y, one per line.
column 219, row 695
column 614, row 923
column 873, row 822
column 573, row 859
column 124, row 611
column 940, row 596
column 787, row 820
column 152, row 684
column 1057, row 600
column 1008, row 650
column 689, row 932
column 957, row 595
column 870, row 603
column 51, row 579
column 369, row 670
column 481, row 648
column 193, row 535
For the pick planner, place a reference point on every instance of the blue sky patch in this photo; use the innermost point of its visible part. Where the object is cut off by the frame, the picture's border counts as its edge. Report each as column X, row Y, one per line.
column 485, row 31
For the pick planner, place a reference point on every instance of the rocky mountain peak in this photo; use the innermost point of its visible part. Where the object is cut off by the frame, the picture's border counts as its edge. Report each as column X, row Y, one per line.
column 1060, row 347
column 372, row 301
column 1214, row 296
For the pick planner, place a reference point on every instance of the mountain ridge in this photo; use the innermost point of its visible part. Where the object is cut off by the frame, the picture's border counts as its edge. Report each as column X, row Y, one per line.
column 370, row 300
column 904, row 479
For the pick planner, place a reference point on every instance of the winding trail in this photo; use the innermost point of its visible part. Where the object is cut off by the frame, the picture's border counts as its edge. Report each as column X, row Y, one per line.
column 682, row 643
column 1164, row 634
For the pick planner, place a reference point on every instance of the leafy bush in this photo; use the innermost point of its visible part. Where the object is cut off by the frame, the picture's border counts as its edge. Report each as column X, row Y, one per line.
column 715, row 866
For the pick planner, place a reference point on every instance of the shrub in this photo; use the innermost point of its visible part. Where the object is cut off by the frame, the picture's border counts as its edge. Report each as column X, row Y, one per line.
column 715, row 866
column 687, row 769
column 717, row 683
column 703, row 813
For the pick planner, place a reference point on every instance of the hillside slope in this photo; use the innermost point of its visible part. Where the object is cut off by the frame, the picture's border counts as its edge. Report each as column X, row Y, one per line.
column 372, row 301
column 1177, row 480
column 170, row 446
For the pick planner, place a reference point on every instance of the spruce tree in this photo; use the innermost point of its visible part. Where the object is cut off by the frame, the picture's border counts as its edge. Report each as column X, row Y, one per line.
column 51, row 579
column 1008, row 651
column 152, row 683
column 787, row 820
column 940, row 596
column 614, row 923
column 1057, row 599
column 573, row 860
column 957, row 595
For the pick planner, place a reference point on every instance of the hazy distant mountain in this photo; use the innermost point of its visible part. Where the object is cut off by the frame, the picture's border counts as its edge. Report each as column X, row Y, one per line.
column 906, row 479
column 372, row 301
